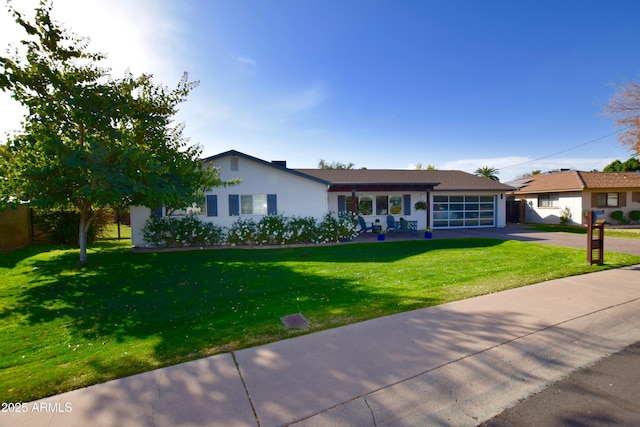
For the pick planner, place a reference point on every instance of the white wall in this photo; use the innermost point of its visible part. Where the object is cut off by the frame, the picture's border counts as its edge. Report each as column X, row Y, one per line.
column 551, row 215
column 296, row 195
column 139, row 215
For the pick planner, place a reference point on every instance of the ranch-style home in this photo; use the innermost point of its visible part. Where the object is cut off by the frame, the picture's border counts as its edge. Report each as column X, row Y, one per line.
column 545, row 196
column 453, row 199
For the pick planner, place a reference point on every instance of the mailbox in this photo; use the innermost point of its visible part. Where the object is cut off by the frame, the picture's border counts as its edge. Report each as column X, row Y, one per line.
column 595, row 231
column 598, row 217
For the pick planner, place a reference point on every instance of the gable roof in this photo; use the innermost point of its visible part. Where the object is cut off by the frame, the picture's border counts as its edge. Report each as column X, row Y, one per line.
column 279, row 166
column 382, row 179
column 578, row 181
column 442, row 180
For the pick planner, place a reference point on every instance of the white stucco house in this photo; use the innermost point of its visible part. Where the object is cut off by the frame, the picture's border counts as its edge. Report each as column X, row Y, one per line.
column 545, row 195
column 454, row 199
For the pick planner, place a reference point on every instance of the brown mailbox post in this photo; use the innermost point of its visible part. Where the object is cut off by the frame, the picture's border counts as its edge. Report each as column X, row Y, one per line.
column 595, row 221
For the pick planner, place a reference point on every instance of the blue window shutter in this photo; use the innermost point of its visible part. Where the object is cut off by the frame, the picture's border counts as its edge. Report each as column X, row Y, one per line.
column 157, row 212
column 342, row 204
column 212, row 205
column 272, row 204
column 407, row 204
column 234, row 205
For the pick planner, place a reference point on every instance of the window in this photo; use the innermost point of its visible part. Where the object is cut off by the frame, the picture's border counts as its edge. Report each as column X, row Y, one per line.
column 234, row 164
column 365, row 205
column 608, row 200
column 548, row 200
column 382, row 205
column 255, row 204
column 395, row 205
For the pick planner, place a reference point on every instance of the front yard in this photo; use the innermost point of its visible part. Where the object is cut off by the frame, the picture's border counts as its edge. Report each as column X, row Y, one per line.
column 65, row 326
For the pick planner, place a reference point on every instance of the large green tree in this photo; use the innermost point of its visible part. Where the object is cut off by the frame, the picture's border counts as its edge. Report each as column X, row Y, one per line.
column 89, row 140
column 630, row 165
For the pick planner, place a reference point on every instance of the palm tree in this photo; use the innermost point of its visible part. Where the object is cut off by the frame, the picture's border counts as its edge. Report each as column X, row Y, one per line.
column 487, row 172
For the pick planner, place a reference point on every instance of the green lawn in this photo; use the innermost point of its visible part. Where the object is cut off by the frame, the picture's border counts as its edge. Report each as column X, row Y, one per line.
column 626, row 233
column 64, row 326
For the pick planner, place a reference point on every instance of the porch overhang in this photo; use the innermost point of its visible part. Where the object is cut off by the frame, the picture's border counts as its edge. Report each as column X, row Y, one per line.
column 359, row 187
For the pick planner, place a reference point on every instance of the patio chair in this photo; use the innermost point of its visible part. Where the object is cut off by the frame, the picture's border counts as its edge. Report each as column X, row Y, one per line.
column 391, row 223
column 363, row 225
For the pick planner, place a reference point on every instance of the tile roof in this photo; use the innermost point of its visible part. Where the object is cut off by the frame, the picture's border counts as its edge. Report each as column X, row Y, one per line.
column 577, row 181
column 445, row 180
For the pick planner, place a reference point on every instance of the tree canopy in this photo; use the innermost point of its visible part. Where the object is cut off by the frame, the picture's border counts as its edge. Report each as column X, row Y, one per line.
column 624, row 106
column 488, row 172
column 335, row 165
column 89, row 140
column 631, row 165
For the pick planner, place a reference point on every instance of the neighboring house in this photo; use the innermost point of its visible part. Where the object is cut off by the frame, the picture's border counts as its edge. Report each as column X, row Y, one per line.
column 457, row 199
column 546, row 195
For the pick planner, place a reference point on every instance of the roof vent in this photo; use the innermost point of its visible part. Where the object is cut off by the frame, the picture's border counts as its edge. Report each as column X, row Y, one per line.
column 281, row 163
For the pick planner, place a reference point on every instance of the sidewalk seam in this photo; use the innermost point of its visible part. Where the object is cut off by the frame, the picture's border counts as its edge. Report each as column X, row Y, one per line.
column 363, row 396
column 246, row 390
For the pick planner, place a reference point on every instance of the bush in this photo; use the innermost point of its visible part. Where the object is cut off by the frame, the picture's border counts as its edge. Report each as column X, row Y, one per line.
column 270, row 230
column 619, row 216
column 302, row 230
column 273, row 230
column 565, row 216
column 332, row 229
column 181, row 231
column 62, row 225
column 634, row 215
column 242, row 232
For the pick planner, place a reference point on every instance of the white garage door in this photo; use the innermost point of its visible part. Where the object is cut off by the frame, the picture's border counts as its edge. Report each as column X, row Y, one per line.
column 463, row 211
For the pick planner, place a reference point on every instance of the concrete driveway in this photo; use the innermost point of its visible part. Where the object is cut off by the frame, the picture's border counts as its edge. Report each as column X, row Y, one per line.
column 528, row 234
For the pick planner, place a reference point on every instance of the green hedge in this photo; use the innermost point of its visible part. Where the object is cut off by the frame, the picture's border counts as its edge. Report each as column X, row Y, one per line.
column 270, row 230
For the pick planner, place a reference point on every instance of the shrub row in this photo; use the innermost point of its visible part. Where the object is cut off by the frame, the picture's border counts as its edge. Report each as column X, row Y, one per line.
column 62, row 225
column 270, row 230
column 620, row 216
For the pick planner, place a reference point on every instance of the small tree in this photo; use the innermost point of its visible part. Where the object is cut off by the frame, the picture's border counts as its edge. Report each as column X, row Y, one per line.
column 624, row 106
column 89, row 140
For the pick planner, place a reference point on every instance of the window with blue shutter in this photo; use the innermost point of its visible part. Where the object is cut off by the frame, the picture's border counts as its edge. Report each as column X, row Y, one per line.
column 234, row 205
column 407, row 204
column 212, row 205
column 272, row 204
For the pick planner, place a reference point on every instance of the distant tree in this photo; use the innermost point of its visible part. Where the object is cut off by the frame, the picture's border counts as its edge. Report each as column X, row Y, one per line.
column 487, row 172
column 427, row 168
column 335, row 165
column 631, row 165
column 90, row 141
column 528, row 174
column 624, row 106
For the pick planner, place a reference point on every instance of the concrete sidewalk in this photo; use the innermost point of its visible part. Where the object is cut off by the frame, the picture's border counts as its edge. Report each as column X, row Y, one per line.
column 455, row 364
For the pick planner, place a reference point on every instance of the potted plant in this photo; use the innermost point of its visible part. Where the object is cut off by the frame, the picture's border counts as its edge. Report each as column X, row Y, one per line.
column 381, row 234
column 420, row 205
column 428, row 234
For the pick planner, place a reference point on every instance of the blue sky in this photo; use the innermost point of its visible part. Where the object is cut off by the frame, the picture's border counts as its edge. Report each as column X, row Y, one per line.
column 517, row 85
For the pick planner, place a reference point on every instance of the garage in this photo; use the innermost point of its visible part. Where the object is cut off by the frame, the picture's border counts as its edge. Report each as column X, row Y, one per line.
column 464, row 211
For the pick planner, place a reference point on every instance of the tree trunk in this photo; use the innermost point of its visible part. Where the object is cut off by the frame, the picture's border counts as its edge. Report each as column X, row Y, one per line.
column 85, row 222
